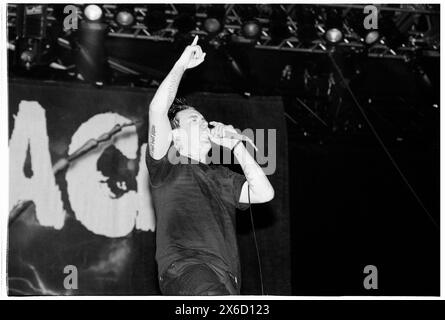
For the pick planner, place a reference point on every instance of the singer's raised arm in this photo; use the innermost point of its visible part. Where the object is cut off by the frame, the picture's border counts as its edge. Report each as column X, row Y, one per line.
column 159, row 127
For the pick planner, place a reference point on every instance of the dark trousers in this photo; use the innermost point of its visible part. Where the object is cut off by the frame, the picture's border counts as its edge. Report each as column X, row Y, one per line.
column 194, row 278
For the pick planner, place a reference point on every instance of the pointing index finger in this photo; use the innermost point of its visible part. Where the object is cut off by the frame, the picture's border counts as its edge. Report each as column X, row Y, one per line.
column 195, row 41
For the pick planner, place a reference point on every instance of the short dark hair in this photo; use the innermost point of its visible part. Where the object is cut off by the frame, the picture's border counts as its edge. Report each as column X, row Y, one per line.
column 178, row 105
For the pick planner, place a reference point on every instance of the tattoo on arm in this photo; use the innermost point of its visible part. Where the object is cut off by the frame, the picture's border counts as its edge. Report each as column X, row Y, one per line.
column 152, row 140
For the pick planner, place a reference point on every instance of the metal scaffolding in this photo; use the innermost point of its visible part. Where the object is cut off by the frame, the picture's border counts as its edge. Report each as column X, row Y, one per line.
column 416, row 41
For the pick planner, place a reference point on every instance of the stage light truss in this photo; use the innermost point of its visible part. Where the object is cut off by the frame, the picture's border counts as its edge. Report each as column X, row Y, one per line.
column 233, row 21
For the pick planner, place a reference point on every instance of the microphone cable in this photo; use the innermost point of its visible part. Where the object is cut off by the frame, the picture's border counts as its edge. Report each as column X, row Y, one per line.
column 255, row 241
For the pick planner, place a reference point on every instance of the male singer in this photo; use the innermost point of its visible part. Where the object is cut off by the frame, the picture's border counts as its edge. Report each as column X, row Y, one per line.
column 196, row 247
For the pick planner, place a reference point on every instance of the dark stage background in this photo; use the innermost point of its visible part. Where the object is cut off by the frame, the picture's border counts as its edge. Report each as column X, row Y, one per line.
column 352, row 209
column 349, row 206
column 125, row 264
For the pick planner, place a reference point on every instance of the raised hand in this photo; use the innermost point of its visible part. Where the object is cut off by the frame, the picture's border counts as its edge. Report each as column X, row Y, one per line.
column 192, row 55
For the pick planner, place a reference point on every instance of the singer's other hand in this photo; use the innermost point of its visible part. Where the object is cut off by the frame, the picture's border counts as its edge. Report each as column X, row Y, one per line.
column 219, row 132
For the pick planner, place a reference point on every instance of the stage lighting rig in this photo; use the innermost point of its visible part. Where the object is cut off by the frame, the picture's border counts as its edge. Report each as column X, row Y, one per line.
column 91, row 59
column 32, row 45
column 214, row 21
column 125, row 16
column 93, row 13
column 396, row 28
column 212, row 25
column 307, row 25
column 278, row 28
column 403, row 30
column 334, row 26
column 355, row 25
column 251, row 30
column 155, row 18
column 372, row 37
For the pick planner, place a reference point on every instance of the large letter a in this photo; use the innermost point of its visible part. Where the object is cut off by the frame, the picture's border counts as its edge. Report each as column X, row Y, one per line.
column 30, row 131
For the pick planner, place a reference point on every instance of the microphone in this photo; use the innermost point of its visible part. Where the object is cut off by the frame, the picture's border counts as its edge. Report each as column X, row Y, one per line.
column 236, row 136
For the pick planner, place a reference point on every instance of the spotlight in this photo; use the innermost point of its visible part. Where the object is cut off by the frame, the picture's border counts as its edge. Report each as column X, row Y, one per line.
column 372, row 37
column 125, row 17
column 334, row 26
column 251, row 29
column 334, row 35
column 215, row 18
column 212, row 25
column 92, row 12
